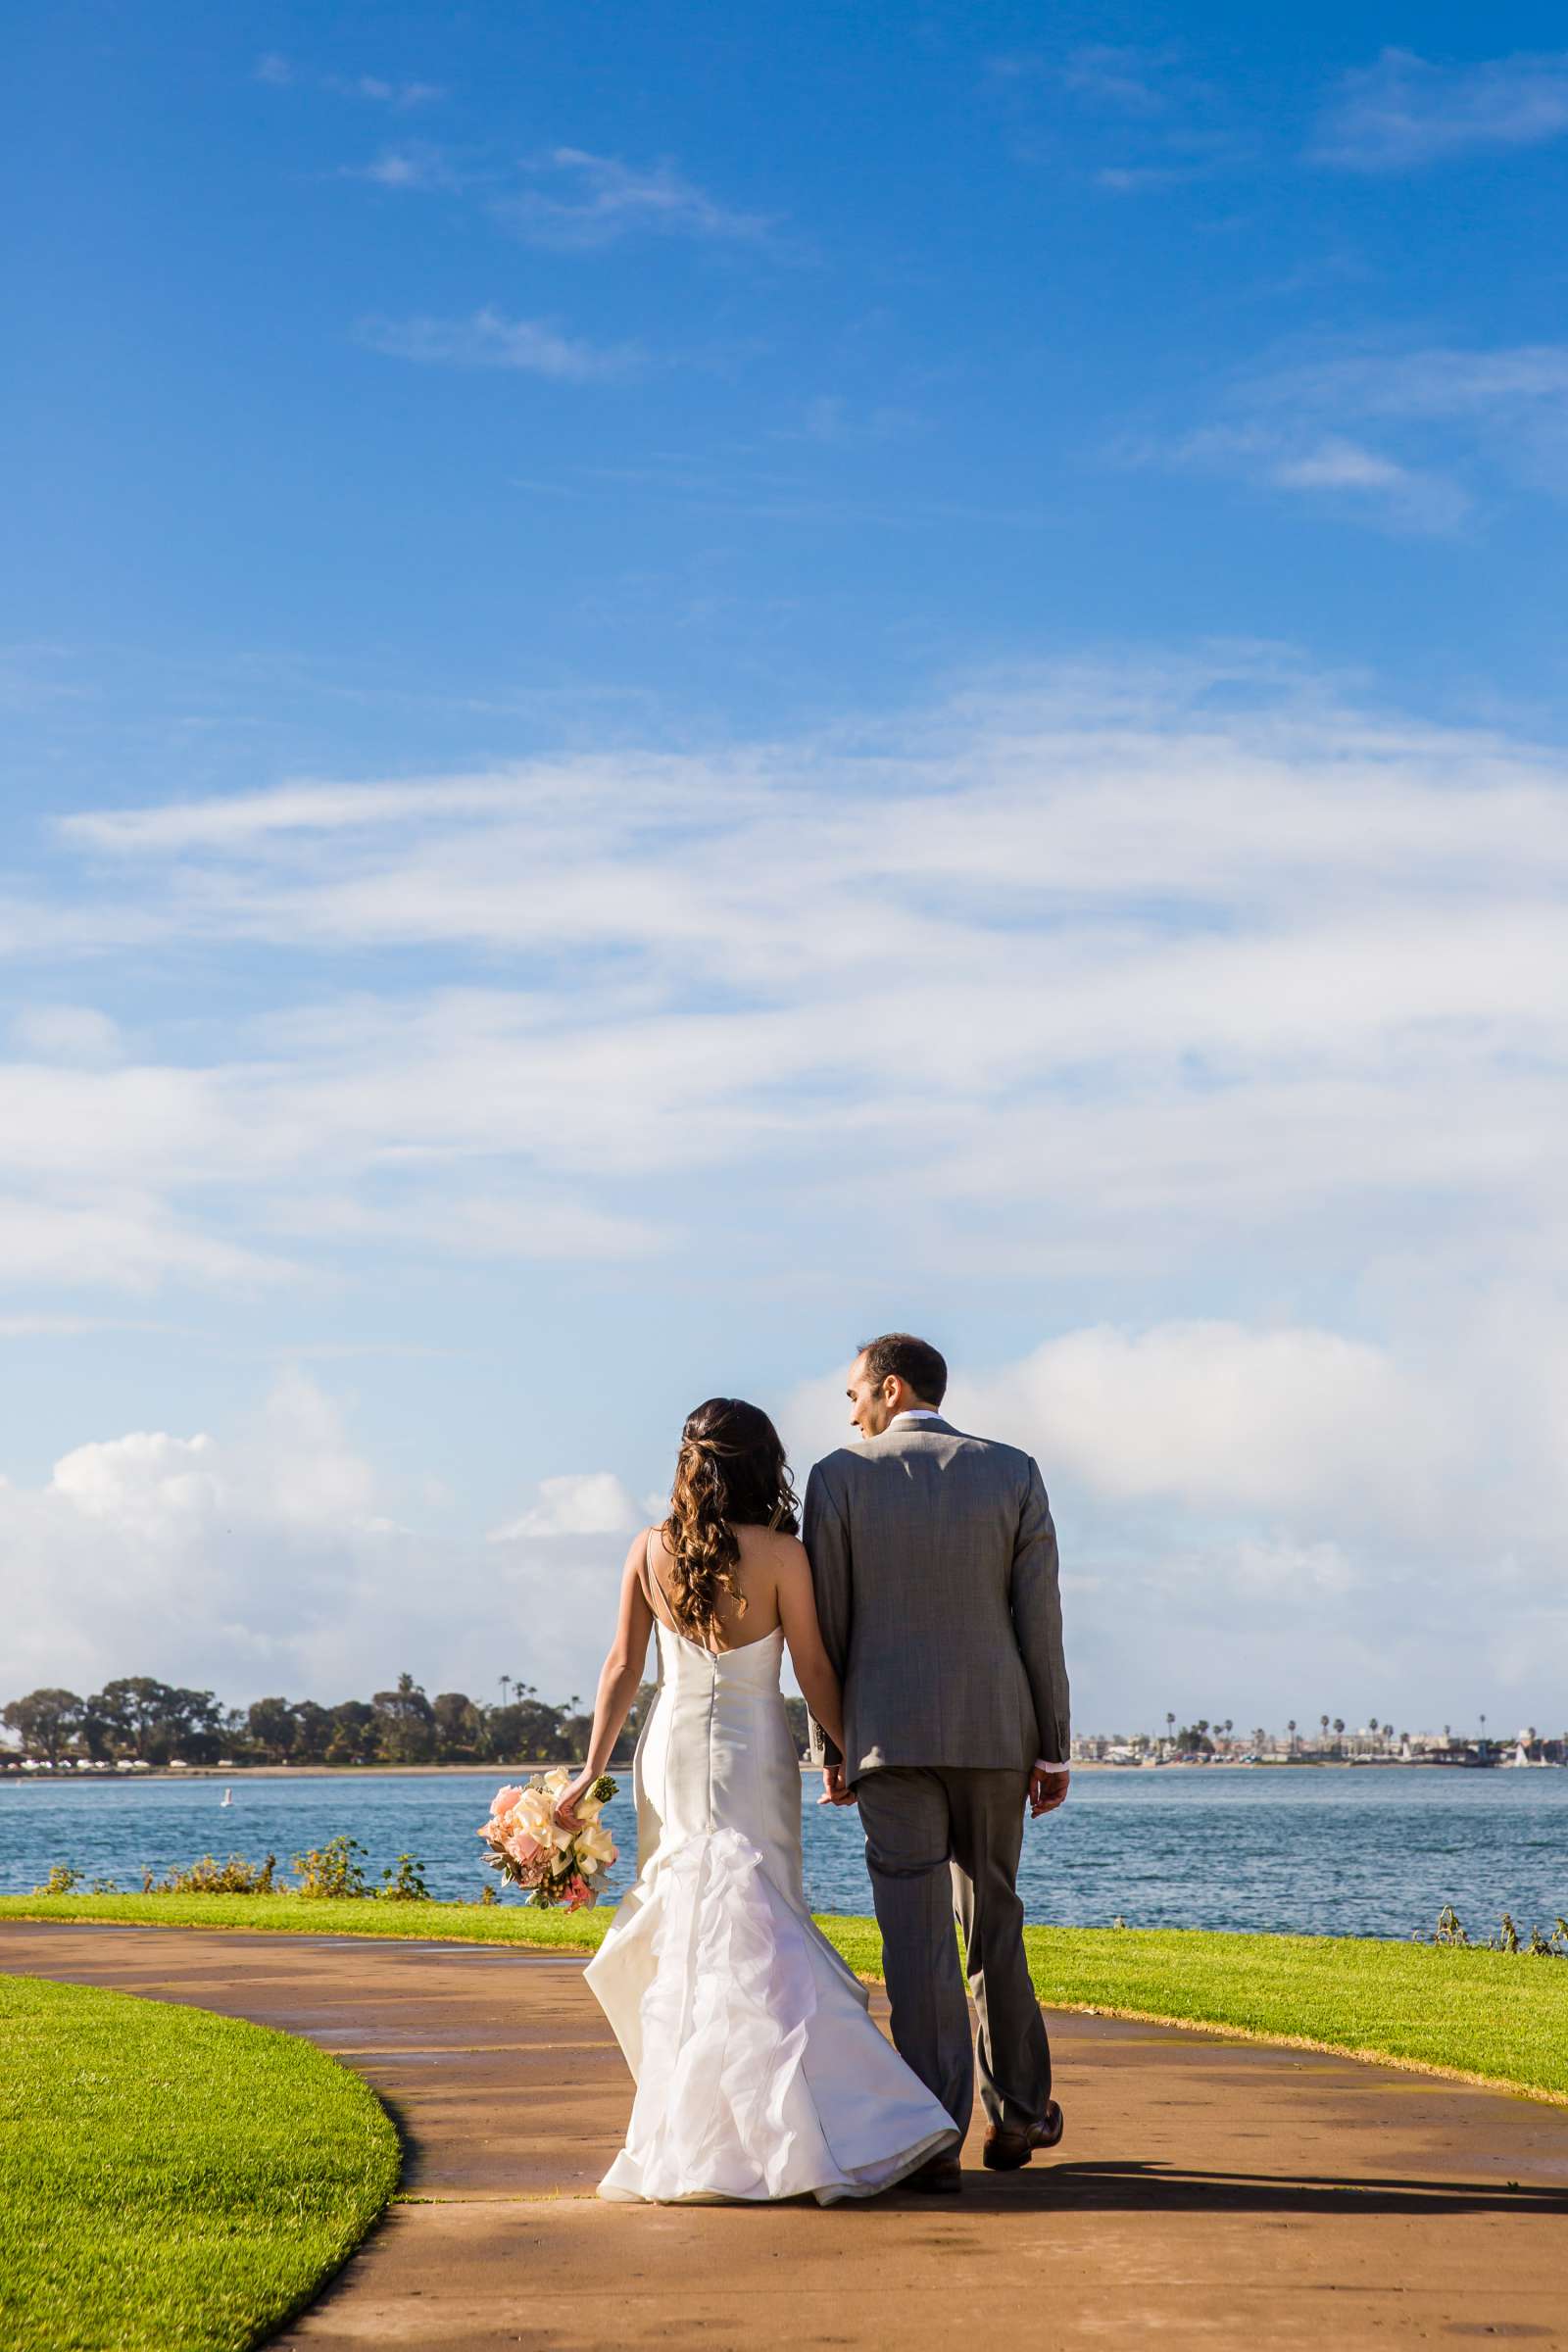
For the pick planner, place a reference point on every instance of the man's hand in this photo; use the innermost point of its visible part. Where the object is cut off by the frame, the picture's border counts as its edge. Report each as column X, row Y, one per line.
column 1047, row 1791
column 835, row 1789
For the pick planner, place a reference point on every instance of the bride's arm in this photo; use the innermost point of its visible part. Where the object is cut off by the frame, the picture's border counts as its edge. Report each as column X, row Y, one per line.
column 620, row 1679
column 797, row 1614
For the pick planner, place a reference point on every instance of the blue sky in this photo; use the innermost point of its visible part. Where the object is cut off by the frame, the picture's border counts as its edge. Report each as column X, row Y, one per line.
column 681, row 683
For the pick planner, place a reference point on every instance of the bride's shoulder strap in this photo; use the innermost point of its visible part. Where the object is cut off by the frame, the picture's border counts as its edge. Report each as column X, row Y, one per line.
column 651, row 1582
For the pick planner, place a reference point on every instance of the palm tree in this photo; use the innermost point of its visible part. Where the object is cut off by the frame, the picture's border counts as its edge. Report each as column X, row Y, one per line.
column 506, row 1685
column 1338, row 1732
column 1324, row 1721
column 1291, row 1727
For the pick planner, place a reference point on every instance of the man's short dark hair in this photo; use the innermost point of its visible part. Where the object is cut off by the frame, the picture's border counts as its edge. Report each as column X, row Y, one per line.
column 908, row 1359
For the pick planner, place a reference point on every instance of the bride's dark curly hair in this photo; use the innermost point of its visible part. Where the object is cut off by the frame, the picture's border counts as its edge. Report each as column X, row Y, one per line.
column 732, row 1472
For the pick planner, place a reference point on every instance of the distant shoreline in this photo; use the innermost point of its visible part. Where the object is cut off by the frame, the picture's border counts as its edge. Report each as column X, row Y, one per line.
column 236, row 1773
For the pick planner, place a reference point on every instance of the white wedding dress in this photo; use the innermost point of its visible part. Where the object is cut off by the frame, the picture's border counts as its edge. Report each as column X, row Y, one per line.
column 760, row 2074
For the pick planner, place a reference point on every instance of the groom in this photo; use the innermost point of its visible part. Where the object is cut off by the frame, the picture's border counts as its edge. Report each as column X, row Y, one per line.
column 934, row 1560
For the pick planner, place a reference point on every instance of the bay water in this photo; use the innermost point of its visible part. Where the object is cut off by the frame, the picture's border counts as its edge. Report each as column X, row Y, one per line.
column 1341, row 1852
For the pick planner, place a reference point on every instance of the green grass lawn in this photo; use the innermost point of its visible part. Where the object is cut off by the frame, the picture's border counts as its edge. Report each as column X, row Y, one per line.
column 170, row 2180
column 1487, row 2013
column 296, row 1915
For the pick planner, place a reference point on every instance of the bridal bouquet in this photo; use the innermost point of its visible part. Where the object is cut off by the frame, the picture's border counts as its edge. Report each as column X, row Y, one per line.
column 530, row 1848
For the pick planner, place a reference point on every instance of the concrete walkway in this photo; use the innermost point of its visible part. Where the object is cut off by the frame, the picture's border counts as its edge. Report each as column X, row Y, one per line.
column 1207, row 2194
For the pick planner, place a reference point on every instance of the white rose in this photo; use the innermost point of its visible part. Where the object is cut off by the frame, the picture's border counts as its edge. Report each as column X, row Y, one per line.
column 595, row 1848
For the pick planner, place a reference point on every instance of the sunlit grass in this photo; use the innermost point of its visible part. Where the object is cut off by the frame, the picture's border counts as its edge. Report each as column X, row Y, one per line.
column 299, row 1915
column 171, row 2181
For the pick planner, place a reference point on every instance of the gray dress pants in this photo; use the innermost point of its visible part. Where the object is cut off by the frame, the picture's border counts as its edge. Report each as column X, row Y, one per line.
column 940, row 1842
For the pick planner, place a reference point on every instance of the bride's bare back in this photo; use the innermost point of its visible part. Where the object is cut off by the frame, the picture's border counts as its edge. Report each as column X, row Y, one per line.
column 767, row 1560
column 737, row 1578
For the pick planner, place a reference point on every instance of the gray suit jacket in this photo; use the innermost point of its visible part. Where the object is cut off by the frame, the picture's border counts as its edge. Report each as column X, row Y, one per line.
column 934, row 1560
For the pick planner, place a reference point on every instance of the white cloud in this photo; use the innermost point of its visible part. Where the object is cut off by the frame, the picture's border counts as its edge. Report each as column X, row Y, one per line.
column 1296, row 455
column 118, row 1240
column 1165, row 125
column 294, row 807
column 281, row 73
column 1330, row 1434
column 1126, row 80
column 1137, row 180
column 1197, row 955
column 1233, row 1011
column 1431, row 382
column 417, row 166
column 1340, row 466
column 594, row 1502
column 1217, row 1416
column 1261, row 1518
column 67, row 1033
column 604, row 200
column 490, row 339
column 1265, row 1515
column 1462, row 424
column 272, row 1560
column 399, row 95
column 469, row 1225
column 217, row 1556
column 1404, row 112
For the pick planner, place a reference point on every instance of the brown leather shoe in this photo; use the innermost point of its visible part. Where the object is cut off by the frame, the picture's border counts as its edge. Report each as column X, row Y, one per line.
column 1007, row 2149
column 939, row 2176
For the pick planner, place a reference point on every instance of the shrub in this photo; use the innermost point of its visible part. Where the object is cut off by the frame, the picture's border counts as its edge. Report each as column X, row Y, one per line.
column 333, row 1872
column 209, row 1875
column 406, row 1883
column 1450, row 1930
column 62, row 1880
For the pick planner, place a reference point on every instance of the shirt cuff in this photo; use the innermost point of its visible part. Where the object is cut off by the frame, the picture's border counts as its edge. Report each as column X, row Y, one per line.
column 1041, row 1766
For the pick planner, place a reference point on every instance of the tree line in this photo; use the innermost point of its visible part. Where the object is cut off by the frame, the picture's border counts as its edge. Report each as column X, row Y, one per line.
column 138, row 1719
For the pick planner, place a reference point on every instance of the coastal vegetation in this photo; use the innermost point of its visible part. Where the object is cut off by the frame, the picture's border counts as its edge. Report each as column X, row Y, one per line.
column 332, row 1873
column 169, row 2177
column 138, row 1721
column 1489, row 2013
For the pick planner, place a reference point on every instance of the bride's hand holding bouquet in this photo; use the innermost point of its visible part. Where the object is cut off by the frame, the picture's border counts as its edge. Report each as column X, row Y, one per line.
column 583, row 1799
column 534, row 1845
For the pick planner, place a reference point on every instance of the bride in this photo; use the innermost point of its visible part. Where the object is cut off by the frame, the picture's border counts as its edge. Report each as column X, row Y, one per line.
column 760, row 2074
